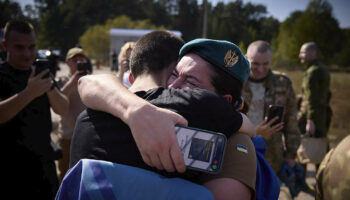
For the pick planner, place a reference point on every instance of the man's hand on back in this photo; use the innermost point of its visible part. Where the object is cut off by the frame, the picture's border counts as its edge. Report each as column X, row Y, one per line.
column 153, row 129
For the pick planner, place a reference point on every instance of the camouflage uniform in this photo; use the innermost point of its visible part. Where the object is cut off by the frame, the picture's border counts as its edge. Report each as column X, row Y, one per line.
column 279, row 90
column 315, row 99
column 333, row 176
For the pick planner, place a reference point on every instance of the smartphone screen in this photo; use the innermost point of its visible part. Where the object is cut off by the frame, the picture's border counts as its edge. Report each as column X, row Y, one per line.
column 203, row 150
column 41, row 65
column 275, row 110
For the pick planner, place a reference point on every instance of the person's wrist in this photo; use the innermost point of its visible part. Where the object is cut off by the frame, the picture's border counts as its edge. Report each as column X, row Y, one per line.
column 133, row 113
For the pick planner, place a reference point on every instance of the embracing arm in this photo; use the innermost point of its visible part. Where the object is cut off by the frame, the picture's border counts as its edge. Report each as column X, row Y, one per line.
column 153, row 128
column 247, row 126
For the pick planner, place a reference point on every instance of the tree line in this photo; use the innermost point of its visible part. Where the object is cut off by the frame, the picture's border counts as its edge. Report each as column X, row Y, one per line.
column 62, row 24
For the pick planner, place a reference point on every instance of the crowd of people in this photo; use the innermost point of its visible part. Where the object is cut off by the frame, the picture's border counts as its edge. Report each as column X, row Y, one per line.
column 161, row 81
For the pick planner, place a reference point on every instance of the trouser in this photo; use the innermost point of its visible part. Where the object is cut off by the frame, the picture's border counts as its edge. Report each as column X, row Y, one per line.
column 28, row 176
column 63, row 163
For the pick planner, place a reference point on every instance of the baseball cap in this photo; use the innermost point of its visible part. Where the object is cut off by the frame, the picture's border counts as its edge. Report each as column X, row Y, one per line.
column 223, row 54
column 73, row 52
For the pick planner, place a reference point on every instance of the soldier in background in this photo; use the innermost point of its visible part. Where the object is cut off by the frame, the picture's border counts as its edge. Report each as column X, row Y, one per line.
column 315, row 113
column 266, row 87
column 333, row 176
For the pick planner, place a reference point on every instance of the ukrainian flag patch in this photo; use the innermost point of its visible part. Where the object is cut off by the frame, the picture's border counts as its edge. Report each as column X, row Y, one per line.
column 242, row 148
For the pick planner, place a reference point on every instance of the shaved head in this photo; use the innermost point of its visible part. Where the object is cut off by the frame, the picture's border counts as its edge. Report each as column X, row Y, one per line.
column 258, row 46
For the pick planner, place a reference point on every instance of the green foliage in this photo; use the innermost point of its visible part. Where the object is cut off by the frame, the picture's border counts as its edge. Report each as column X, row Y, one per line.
column 342, row 58
column 239, row 22
column 9, row 10
column 95, row 41
column 315, row 24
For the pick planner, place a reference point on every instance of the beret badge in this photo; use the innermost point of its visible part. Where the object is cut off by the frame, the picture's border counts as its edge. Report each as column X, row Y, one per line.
column 231, row 58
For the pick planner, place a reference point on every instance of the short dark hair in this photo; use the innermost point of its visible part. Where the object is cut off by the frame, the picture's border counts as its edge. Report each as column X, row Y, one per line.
column 312, row 46
column 225, row 83
column 155, row 52
column 19, row 26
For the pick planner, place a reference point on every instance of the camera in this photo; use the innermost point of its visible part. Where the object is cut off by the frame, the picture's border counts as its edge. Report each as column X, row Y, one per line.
column 203, row 150
column 41, row 65
column 83, row 67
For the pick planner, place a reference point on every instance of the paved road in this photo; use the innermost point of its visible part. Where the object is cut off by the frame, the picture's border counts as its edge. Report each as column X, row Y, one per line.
column 311, row 168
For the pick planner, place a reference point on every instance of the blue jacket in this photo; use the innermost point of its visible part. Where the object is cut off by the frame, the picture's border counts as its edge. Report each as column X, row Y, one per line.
column 267, row 185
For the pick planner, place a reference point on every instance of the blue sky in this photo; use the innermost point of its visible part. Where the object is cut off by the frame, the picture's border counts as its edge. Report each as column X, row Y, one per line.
column 281, row 9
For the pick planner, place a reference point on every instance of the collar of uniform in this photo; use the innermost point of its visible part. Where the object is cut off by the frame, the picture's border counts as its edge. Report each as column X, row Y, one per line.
column 265, row 80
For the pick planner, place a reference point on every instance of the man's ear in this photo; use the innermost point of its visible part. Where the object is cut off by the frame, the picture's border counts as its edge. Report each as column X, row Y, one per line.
column 131, row 78
column 228, row 97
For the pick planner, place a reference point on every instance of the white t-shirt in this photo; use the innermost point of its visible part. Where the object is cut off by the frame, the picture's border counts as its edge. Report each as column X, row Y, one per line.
column 256, row 107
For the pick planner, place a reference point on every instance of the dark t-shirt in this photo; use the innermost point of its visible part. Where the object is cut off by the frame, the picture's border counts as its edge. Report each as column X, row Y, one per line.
column 31, row 127
column 99, row 135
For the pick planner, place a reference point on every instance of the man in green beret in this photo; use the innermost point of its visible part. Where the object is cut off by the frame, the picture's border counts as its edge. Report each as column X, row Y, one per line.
column 210, row 64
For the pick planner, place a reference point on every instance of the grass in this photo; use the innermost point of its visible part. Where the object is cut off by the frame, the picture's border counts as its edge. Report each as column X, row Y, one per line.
column 340, row 102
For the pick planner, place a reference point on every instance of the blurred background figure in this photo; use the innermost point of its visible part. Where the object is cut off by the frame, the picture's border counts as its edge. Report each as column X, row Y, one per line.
column 78, row 66
column 26, row 95
column 266, row 87
column 114, row 64
column 315, row 113
column 124, row 63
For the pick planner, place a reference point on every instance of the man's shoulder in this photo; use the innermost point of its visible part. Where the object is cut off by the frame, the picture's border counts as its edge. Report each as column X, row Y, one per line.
column 280, row 79
column 281, row 76
column 4, row 68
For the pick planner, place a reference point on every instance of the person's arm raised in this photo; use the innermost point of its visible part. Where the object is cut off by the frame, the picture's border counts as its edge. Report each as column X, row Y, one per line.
column 152, row 127
column 36, row 87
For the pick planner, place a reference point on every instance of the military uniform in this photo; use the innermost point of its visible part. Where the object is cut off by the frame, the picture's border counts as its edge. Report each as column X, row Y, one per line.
column 333, row 176
column 315, row 99
column 279, row 90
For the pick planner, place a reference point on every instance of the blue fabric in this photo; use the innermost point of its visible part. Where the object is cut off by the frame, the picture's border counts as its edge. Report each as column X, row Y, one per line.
column 267, row 185
column 95, row 180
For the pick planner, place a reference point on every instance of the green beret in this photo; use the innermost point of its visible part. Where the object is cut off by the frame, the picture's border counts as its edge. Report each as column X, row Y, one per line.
column 220, row 53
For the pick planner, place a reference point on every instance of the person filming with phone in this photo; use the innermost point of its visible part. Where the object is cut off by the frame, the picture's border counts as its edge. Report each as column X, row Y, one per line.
column 25, row 118
column 78, row 67
column 266, row 88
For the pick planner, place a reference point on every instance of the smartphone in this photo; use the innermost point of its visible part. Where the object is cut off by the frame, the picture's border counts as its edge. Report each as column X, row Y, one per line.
column 83, row 67
column 275, row 110
column 203, row 150
column 41, row 65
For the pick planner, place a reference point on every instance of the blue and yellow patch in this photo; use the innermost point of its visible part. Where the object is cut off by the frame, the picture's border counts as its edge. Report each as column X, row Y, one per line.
column 242, row 148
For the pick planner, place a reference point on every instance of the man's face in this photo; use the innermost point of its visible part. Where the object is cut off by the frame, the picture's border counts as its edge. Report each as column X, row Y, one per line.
column 305, row 55
column 73, row 62
column 192, row 72
column 259, row 63
column 20, row 50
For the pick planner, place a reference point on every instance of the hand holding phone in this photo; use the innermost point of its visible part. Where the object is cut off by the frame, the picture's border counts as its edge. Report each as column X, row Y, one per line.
column 41, row 65
column 203, row 150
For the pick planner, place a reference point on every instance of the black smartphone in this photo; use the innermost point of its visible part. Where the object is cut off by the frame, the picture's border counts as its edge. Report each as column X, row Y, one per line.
column 83, row 67
column 40, row 65
column 203, row 150
column 275, row 110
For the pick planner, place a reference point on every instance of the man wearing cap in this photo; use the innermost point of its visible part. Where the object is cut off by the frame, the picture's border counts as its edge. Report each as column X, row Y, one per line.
column 25, row 119
column 230, row 182
column 266, row 87
column 68, row 85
